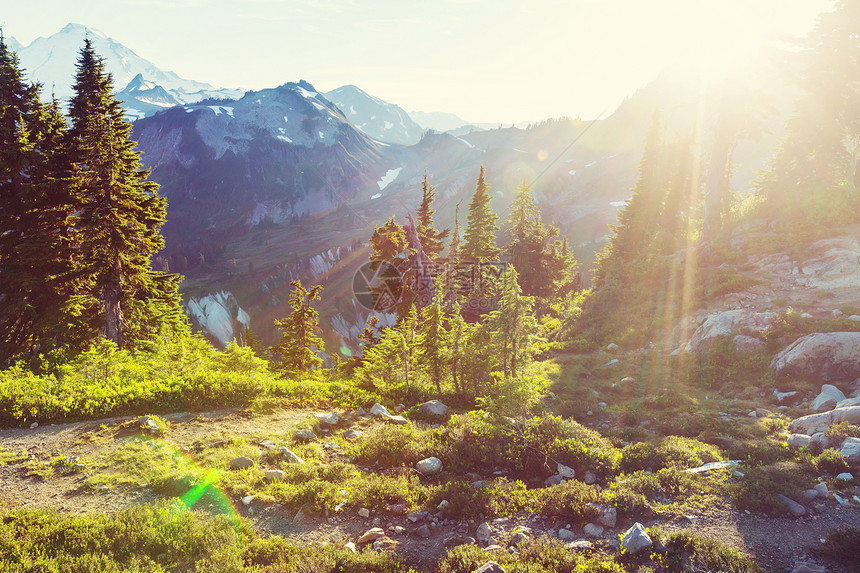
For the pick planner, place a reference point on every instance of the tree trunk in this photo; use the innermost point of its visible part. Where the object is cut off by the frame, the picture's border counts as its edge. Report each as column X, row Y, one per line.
column 715, row 186
column 113, row 315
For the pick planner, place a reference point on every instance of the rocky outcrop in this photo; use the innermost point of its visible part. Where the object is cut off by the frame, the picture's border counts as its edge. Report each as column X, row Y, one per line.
column 725, row 324
column 829, row 357
column 815, row 423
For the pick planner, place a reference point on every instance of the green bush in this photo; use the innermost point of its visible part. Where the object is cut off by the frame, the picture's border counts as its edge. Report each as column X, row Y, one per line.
column 670, row 452
column 568, row 500
column 758, row 488
column 842, row 544
column 688, row 551
column 831, row 461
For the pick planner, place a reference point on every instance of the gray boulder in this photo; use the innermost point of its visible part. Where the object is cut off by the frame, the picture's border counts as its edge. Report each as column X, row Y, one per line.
column 827, row 399
column 370, row 535
column 434, row 408
column 794, row 508
column 821, row 490
column 566, row 472
column 553, row 480
column 589, row 478
column 607, row 515
column 844, row 476
column 305, row 434
column 636, row 539
column 353, row 434
column 848, row 402
column 814, row 423
column 484, row 534
column 851, row 450
column 327, row 418
column 798, row 441
column 241, row 463
column 429, row 466
column 831, row 356
column 566, row 535
column 805, row 567
column 274, row 475
column 579, row 545
column 593, row 530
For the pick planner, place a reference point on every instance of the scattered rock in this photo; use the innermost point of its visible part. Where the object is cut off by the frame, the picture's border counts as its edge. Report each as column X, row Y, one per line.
column 274, row 475
column 147, row 424
column 417, row 516
column 434, row 408
column 490, row 567
column 628, row 380
column 607, row 515
column 305, row 435
column 566, row 472
column 364, row 512
column 34, row 425
column 589, row 478
column 844, row 476
column 380, row 410
column 269, row 444
column 370, row 535
column 332, row 446
column 566, row 535
column 353, row 434
column 385, row 543
column 798, row 441
column 828, row 398
column 612, row 347
column 328, row 418
column 443, row 505
column 780, row 396
column 429, row 466
column 579, row 545
column 612, row 362
column 349, row 546
column 855, row 401
column 551, row 480
column 830, row 356
column 809, row 494
column 484, row 534
column 821, row 489
column 636, row 539
column 241, row 463
column 593, row 530
column 820, row 440
column 794, row 508
column 290, row 456
column 248, row 499
column 398, row 420
column 851, row 450
column 518, row 538
column 423, row 531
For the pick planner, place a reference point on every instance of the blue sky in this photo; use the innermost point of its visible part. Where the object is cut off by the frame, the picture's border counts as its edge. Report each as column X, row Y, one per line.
column 487, row 61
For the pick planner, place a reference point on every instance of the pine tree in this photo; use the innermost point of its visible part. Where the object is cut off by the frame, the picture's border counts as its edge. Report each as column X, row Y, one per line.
column 433, row 350
column 512, row 326
column 432, row 240
column 480, row 240
column 541, row 259
column 297, row 350
column 34, row 207
column 119, row 215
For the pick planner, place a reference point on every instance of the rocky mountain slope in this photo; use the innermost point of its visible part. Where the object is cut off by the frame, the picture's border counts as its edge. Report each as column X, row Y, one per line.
column 377, row 118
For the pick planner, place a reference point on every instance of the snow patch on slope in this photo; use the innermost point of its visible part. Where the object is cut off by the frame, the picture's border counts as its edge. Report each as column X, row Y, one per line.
column 216, row 314
column 388, row 178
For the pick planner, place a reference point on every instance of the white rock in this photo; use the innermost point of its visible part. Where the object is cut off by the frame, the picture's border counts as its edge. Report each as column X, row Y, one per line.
column 780, row 396
column 429, row 466
column 747, row 344
column 636, row 539
column 612, row 347
column 829, row 397
column 241, row 463
column 593, row 530
column 34, row 425
column 349, row 545
column 821, row 490
column 484, row 534
column 290, row 456
column 490, row 566
column 628, row 380
column 589, row 478
column 248, row 499
column 845, row 476
column 815, row 423
column 566, row 535
column 804, row 567
column 724, row 324
column 794, row 508
column 364, row 512
column 380, row 410
column 305, row 434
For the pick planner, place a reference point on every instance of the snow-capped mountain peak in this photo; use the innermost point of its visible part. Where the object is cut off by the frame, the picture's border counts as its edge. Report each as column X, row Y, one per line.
column 12, row 44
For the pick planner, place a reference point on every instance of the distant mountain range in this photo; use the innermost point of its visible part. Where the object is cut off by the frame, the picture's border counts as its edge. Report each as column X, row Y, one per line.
column 12, row 43
column 377, row 118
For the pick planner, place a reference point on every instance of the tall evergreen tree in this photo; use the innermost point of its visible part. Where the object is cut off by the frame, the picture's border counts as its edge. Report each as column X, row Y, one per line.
column 540, row 257
column 34, row 204
column 432, row 240
column 479, row 244
column 297, row 350
column 118, row 215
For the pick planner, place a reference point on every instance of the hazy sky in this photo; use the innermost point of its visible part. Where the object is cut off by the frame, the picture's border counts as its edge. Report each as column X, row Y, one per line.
column 500, row 60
